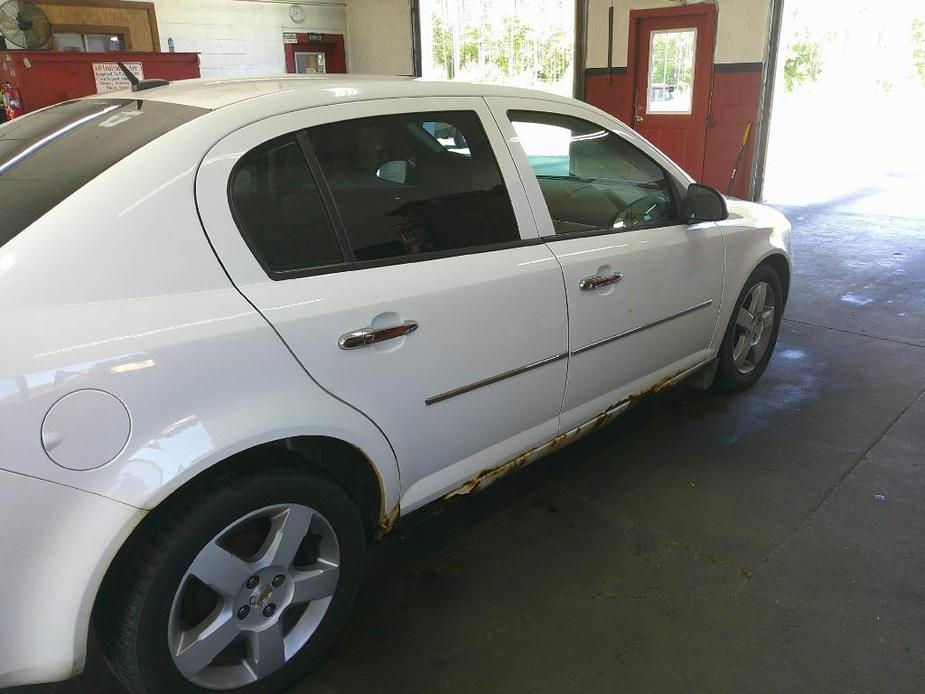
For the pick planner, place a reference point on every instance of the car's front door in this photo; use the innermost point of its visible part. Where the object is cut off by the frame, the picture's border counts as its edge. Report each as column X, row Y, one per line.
column 643, row 285
column 392, row 247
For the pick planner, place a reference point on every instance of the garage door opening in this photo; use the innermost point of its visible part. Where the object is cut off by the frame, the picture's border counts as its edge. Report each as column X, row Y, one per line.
column 523, row 43
column 849, row 94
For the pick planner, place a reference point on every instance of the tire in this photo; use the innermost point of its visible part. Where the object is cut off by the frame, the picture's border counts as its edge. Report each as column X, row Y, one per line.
column 736, row 371
column 153, row 600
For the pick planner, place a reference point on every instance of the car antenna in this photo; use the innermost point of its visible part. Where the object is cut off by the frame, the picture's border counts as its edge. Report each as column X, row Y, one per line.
column 140, row 85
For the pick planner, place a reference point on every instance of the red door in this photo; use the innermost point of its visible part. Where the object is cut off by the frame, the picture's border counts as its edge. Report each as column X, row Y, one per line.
column 673, row 76
column 301, row 56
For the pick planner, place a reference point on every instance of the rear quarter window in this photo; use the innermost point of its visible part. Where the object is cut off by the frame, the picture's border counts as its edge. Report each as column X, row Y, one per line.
column 48, row 155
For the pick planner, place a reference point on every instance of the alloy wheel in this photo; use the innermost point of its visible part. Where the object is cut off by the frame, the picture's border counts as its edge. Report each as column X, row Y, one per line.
column 253, row 596
column 754, row 328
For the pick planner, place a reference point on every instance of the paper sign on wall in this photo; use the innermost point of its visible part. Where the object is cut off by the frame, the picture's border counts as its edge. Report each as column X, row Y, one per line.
column 110, row 78
column 290, row 37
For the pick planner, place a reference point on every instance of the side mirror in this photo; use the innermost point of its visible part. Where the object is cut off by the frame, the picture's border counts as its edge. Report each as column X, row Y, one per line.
column 395, row 171
column 705, row 204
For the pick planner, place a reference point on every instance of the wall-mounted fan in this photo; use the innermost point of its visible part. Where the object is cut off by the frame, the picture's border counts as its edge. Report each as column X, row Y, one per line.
column 23, row 24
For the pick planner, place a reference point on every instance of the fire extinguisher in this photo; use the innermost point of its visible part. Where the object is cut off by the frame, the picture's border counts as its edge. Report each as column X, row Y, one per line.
column 12, row 101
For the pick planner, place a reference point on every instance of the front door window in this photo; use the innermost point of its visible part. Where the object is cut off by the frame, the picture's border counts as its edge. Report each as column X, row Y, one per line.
column 591, row 178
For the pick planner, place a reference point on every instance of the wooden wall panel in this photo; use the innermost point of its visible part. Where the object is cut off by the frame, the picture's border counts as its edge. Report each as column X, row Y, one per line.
column 135, row 20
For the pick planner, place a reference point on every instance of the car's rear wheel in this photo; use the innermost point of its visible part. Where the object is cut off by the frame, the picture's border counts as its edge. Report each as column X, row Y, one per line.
column 752, row 331
column 240, row 585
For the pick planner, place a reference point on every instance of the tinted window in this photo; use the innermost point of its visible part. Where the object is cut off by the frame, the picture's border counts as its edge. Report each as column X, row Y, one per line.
column 592, row 178
column 447, row 135
column 278, row 208
column 47, row 155
column 415, row 183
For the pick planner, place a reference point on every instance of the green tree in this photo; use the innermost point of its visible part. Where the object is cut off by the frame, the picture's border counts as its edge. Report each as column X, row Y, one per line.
column 803, row 63
column 918, row 48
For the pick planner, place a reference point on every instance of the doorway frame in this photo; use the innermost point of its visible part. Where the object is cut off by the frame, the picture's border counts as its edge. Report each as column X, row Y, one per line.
column 632, row 51
column 333, row 42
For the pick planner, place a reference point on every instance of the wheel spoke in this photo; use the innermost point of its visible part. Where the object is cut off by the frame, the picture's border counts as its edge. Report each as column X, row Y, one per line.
column 751, row 358
column 316, row 583
column 760, row 296
column 288, row 529
column 199, row 647
column 266, row 650
column 767, row 318
column 745, row 318
column 740, row 350
column 220, row 569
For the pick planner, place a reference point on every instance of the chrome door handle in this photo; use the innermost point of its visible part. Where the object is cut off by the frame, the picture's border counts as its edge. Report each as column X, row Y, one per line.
column 371, row 336
column 589, row 284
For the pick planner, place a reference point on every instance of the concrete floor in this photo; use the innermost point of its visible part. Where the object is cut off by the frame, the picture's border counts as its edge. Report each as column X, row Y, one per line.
column 768, row 541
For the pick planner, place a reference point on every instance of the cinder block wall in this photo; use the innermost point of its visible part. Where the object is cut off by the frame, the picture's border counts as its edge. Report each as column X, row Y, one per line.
column 240, row 38
column 741, row 36
column 379, row 37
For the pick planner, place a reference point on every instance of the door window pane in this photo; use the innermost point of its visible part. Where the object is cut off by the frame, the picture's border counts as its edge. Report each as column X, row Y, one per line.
column 671, row 70
column 590, row 177
column 401, row 191
column 279, row 211
column 309, row 63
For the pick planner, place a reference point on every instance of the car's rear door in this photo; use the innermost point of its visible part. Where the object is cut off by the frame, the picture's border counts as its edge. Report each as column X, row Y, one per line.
column 643, row 284
column 391, row 245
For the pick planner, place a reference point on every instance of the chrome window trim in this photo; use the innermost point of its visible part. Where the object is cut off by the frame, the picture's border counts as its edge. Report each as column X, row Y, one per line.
column 640, row 328
column 433, row 400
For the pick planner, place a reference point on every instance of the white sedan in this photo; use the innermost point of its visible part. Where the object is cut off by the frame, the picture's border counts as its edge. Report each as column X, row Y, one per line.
column 249, row 323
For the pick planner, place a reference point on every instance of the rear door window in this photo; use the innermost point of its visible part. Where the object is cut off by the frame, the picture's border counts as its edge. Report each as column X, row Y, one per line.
column 48, row 155
column 415, row 184
column 279, row 210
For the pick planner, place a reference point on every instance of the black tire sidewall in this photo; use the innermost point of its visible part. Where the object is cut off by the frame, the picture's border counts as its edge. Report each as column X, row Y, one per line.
column 728, row 376
column 199, row 525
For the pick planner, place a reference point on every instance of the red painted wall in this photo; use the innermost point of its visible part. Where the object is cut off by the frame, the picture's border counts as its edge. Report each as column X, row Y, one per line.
column 736, row 94
column 736, row 97
column 612, row 93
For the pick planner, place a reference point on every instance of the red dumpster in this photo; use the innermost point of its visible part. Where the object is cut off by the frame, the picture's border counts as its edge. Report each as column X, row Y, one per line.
column 42, row 78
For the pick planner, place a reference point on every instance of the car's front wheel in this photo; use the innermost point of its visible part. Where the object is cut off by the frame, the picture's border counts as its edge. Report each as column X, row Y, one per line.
column 752, row 331
column 238, row 585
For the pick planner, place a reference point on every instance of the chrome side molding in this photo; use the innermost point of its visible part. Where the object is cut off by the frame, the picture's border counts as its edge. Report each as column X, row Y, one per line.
column 493, row 379
column 640, row 328
column 433, row 400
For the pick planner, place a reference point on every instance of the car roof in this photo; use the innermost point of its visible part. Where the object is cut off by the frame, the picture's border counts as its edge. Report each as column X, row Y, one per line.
column 315, row 90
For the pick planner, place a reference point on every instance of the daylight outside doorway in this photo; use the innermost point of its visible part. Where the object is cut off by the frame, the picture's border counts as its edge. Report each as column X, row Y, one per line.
column 524, row 43
column 849, row 104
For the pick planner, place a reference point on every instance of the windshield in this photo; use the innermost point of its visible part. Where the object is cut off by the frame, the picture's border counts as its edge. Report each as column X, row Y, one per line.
column 47, row 155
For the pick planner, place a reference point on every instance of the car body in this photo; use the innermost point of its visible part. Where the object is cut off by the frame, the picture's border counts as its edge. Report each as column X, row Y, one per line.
column 149, row 339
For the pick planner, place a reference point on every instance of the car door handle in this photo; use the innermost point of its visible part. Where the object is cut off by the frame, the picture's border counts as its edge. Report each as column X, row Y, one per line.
column 372, row 336
column 589, row 284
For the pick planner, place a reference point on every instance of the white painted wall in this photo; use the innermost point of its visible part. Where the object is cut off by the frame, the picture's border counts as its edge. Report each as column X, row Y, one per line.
column 379, row 37
column 740, row 35
column 240, row 37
